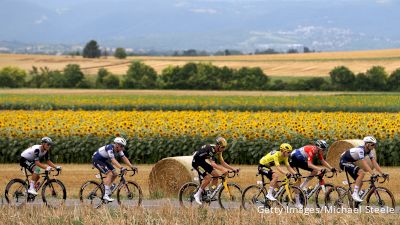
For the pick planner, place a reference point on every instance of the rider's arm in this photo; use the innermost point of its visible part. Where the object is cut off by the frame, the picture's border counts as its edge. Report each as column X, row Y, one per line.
column 126, row 161
column 39, row 164
column 312, row 166
column 376, row 166
column 116, row 163
column 50, row 163
column 326, row 164
column 223, row 163
column 218, row 167
column 366, row 166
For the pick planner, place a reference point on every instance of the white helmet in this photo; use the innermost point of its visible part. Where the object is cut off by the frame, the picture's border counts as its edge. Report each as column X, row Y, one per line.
column 369, row 139
column 120, row 140
column 47, row 140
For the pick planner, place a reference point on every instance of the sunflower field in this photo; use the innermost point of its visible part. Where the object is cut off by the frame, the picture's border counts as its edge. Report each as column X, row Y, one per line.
column 153, row 135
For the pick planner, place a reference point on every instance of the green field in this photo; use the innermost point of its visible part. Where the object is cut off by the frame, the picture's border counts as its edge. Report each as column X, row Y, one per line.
column 379, row 102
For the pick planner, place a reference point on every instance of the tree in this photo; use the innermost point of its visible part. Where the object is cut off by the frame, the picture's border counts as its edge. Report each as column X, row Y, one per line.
column 101, row 74
column 140, row 76
column 111, row 81
column 120, row 53
column 361, row 82
column 73, row 75
column 249, row 79
column 377, row 78
column 13, row 77
column 394, row 80
column 342, row 78
column 91, row 50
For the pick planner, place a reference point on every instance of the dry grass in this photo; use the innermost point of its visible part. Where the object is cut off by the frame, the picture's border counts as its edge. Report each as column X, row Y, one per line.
column 173, row 215
column 310, row 64
column 75, row 174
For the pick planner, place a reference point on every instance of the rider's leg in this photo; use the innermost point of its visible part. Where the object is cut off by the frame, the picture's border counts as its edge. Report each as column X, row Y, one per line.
column 308, row 179
column 273, row 185
column 110, row 177
column 35, row 177
column 358, row 182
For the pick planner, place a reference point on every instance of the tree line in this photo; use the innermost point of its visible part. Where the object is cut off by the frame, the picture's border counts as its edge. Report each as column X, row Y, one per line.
column 197, row 76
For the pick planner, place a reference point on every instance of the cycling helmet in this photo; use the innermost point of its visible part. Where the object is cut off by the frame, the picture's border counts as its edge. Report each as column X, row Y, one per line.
column 120, row 140
column 321, row 144
column 220, row 141
column 369, row 139
column 285, row 147
column 47, row 140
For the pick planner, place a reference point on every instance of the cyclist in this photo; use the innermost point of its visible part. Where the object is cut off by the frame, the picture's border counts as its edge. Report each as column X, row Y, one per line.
column 303, row 157
column 352, row 155
column 104, row 159
column 204, row 163
column 30, row 159
column 274, row 158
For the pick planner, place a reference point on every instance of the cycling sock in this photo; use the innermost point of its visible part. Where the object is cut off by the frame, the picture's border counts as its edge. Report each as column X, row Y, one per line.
column 107, row 189
column 199, row 191
column 271, row 189
column 356, row 189
column 32, row 184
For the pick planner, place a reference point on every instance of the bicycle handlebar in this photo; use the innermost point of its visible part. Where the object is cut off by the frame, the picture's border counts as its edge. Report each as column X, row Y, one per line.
column 134, row 171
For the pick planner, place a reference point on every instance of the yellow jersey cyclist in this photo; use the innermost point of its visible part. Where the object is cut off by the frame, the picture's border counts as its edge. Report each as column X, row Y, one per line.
column 30, row 159
column 274, row 158
column 104, row 159
column 349, row 157
column 204, row 163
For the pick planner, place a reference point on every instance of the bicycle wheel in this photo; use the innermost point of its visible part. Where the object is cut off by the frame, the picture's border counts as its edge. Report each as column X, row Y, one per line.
column 338, row 197
column 129, row 194
column 186, row 194
column 296, row 198
column 380, row 198
column 16, row 192
column 320, row 195
column 254, row 197
column 54, row 193
column 230, row 199
column 91, row 193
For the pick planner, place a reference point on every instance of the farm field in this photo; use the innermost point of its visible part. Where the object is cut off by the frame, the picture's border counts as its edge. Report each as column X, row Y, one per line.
column 197, row 100
column 310, row 64
column 74, row 175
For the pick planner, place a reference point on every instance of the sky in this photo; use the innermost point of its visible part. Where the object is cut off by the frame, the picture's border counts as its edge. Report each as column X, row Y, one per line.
column 205, row 24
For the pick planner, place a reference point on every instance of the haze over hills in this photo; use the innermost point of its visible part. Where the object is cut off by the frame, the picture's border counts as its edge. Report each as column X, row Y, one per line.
column 211, row 25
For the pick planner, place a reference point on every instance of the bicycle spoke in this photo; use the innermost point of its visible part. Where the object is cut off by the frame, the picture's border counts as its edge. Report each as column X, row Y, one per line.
column 130, row 194
column 16, row 193
column 91, row 193
column 231, row 198
column 54, row 193
column 186, row 194
column 254, row 197
column 380, row 198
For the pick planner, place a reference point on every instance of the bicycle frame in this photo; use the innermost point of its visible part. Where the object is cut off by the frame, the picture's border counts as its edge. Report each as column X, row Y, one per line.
column 122, row 180
column 318, row 185
column 224, row 184
column 45, row 176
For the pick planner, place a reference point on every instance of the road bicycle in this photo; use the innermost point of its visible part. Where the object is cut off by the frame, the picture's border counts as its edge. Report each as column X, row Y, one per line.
column 228, row 194
column 129, row 193
column 373, row 196
column 319, row 189
column 288, row 195
column 53, row 191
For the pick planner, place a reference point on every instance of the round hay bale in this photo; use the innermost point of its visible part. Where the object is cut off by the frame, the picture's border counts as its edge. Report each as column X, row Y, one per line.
column 169, row 174
column 338, row 147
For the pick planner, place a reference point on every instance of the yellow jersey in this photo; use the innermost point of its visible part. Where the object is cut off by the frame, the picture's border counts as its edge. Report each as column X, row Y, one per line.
column 274, row 158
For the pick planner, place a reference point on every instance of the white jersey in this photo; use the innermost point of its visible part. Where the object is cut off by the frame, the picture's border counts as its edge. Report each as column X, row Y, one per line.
column 107, row 152
column 34, row 153
column 355, row 154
